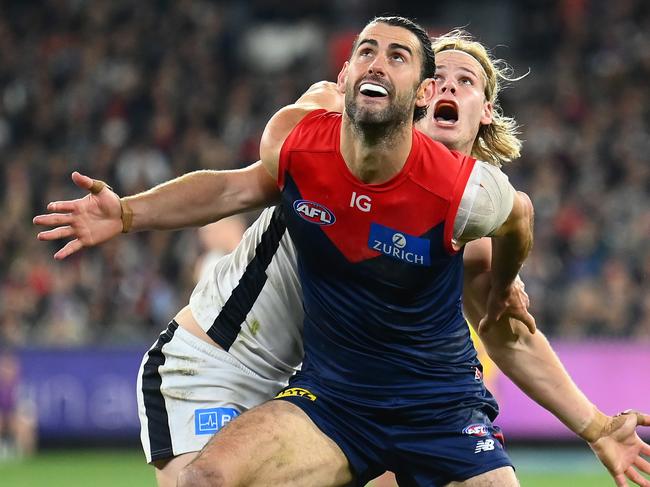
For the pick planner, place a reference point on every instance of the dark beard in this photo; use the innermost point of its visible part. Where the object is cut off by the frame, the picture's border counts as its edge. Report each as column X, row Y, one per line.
column 378, row 126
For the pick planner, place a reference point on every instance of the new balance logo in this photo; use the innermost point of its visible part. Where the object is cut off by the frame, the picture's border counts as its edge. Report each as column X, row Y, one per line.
column 484, row 445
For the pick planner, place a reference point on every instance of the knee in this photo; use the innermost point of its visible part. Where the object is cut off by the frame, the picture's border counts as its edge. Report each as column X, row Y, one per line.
column 199, row 475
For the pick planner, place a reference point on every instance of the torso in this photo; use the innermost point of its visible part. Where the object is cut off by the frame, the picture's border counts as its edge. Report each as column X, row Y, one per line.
column 250, row 304
column 381, row 282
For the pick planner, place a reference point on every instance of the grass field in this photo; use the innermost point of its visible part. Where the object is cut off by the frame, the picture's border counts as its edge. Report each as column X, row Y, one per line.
column 126, row 468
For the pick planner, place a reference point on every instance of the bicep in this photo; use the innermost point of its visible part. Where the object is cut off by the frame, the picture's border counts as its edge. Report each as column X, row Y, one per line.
column 254, row 187
column 522, row 212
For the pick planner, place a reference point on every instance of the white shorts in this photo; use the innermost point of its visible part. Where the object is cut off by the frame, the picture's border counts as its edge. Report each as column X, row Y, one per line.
column 188, row 389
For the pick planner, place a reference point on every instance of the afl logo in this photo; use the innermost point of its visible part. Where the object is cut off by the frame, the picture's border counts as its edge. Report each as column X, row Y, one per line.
column 399, row 240
column 313, row 212
column 477, row 429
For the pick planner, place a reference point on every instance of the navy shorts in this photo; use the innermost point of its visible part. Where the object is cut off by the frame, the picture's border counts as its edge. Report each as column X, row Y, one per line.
column 426, row 443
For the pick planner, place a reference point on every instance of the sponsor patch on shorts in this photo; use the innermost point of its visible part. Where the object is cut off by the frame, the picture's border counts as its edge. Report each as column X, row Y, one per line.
column 209, row 421
column 297, row 392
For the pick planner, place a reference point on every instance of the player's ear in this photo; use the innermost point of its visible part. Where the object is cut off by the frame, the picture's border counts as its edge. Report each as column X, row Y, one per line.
column 425, row 93
column 342, row 78
column 487, row 115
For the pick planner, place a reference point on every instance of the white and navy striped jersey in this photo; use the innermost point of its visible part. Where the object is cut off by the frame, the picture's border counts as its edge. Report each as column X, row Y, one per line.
column 250, row 303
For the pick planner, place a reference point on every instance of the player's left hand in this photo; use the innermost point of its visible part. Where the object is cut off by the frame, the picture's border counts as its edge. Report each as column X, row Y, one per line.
column 621, row 450
column 511, row 302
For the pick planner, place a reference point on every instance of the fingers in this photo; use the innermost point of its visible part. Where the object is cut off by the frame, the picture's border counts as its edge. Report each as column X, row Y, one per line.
column 67, row 206
column 70, row 248
column 636, row 477
column 481, row 324
column 84, row 182
column 621, row 480
column 57, row 233
column 642, row 464
column 645, row 449
column 53, row 219
column 529, row 321
column 642, row 419
column 97, row 186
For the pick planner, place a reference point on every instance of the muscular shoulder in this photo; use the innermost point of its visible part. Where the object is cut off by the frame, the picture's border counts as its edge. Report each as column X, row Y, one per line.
column 320, row 96
column 487, row 202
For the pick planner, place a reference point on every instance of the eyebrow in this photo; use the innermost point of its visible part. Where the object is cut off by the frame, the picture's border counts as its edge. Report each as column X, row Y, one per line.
column 442, row 66
column 393, row 45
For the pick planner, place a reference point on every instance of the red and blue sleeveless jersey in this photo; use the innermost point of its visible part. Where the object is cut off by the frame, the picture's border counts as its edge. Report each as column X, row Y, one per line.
column 381, row 281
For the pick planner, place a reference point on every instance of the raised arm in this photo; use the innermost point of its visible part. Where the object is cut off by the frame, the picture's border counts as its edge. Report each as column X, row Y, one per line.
column 194, row 199
column 530, row 362
column 511, row 244
column 197, row 198
column 490, row 206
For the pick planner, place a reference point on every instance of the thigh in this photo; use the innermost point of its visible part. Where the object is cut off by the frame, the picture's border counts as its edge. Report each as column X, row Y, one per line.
column 500, row 477
column 188, row 389
column 273, row 444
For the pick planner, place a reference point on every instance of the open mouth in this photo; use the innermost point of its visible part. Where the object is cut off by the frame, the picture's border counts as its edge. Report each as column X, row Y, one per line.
column 373, row 90
column 446, row 113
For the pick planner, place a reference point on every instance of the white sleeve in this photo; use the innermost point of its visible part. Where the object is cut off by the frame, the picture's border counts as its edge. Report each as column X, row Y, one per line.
column 485, row 205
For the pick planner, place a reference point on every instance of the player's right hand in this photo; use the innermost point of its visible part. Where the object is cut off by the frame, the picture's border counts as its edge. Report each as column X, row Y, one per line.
column 89, row 221
column 512, row 302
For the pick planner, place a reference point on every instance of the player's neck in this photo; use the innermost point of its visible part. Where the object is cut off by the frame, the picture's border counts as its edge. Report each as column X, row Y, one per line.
column 376, row 156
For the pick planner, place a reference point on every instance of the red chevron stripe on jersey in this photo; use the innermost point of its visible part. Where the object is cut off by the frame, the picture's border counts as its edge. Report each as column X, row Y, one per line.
column 425, row 193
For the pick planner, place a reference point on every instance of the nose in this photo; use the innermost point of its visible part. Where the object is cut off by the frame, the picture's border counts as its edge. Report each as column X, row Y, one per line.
column 448, row 85
column 378, row 66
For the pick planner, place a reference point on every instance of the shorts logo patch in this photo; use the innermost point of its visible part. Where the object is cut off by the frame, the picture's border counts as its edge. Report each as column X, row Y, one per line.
column 484, row 445
column 476, row 429
column 296, row 392
column 399, row 245
column 209, row 421
column 313, row 212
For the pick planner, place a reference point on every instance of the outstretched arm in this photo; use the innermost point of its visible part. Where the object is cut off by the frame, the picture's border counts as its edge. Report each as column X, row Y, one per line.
column 530, row 362
column 197, row 198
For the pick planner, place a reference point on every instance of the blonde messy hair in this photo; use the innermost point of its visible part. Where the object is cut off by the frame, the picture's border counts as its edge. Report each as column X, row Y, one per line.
column 497, row 142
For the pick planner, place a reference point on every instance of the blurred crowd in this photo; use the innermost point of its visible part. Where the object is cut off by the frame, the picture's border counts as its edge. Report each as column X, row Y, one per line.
column 136, row 93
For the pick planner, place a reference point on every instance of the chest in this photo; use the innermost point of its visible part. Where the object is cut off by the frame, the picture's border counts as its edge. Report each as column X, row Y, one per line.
column 327, row 208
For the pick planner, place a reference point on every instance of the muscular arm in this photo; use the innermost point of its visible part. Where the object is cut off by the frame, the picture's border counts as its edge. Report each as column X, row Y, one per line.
column 201, row 197
column 526, row 358
column 512, row 242
column 491, row 206
column 194, row 199
column 529, row 361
